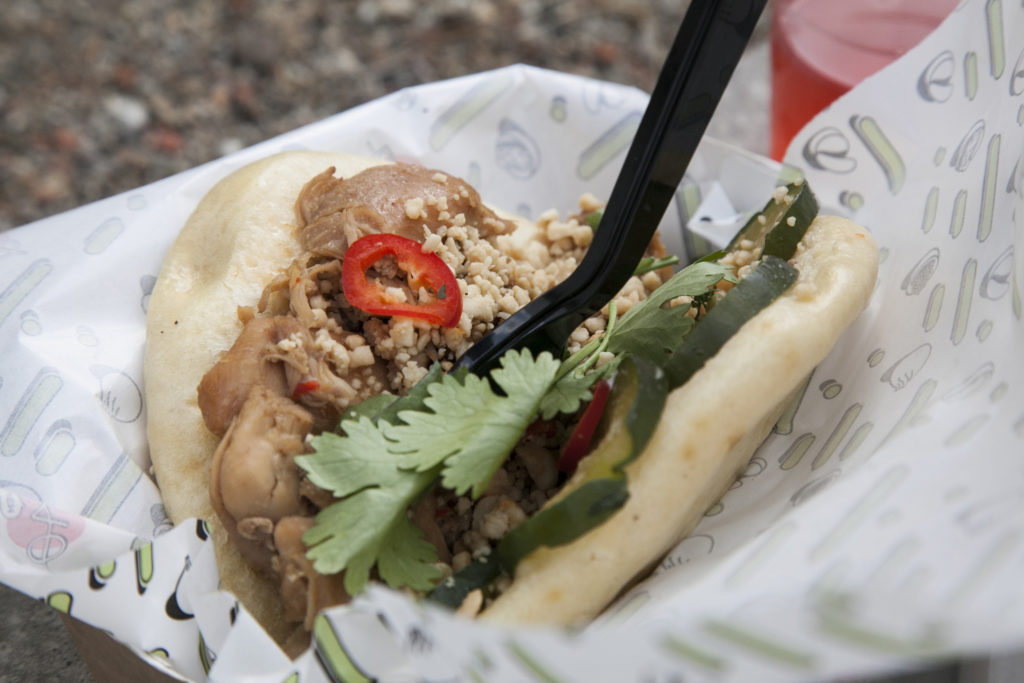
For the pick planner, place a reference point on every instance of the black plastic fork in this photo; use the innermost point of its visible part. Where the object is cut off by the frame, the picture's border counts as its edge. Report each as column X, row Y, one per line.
column 698, row 67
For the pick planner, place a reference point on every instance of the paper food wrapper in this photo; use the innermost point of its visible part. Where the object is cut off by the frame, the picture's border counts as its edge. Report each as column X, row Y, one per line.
column 880, row 525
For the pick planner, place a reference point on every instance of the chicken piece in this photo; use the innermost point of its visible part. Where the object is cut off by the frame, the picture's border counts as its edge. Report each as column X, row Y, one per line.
column 320, row 375
column 303, row 591
column 394, row 198
column 254, row 481
column 246, row 364
column 319, row 498
column 280, row 354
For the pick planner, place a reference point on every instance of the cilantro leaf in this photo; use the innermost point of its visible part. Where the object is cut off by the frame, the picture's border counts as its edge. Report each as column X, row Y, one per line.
column 649, row 263
column 414, row 399
column 713, row 256
column 654, row 336
column 572, row 390
column 361, row 458
column 371, row 407
column 651, row 331
column 347, row 464
column 694, row 280
column 407, row 558
column 370, row 527
column 567, row 394
column 469, row 428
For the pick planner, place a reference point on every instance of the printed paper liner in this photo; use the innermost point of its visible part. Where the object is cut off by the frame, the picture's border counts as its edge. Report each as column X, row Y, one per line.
column 879, row 526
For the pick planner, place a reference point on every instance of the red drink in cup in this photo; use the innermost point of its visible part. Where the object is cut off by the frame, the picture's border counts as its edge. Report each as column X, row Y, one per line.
column 822, row 48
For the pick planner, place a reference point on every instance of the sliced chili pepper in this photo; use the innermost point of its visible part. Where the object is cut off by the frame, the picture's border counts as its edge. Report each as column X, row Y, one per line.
column 305, row 387
column 425, row 271
column 583, row 433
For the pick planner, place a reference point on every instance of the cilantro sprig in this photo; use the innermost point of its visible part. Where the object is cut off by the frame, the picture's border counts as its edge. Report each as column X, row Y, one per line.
column 469, row 429
column 650, row 329
column 649, row 263
column 454, row 427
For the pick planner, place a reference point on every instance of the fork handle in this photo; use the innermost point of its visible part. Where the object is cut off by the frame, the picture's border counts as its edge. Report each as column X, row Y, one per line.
column 706, row 49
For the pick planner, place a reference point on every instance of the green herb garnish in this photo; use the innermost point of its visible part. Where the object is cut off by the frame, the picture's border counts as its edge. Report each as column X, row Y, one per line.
column 455, row 428
column 649, row 263
column 650, row 329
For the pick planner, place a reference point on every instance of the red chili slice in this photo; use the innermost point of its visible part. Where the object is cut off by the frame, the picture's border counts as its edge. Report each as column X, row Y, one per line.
column 425, row 271
column 579, row 441
column 305, row 387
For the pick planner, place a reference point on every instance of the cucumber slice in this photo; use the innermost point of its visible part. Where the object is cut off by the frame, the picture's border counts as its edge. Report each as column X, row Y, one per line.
column 770, row 278
column 577, row 513
column 634, row 408
column 453, row 590
column 781, row 224
column 581, row 510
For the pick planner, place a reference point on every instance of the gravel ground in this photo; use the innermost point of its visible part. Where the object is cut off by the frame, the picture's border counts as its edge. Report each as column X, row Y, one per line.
column 102, row 96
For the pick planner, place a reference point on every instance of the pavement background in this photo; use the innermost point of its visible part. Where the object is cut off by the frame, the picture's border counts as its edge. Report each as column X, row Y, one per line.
column 103, row 96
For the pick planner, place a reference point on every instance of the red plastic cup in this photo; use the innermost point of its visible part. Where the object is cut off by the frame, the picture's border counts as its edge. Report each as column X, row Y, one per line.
column 822, row 48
